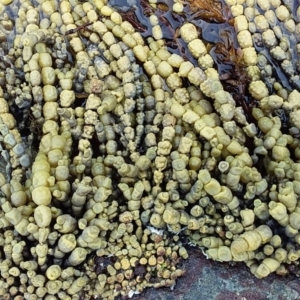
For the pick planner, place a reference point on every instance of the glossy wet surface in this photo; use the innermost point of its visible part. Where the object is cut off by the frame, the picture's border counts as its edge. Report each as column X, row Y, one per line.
column 209, row 280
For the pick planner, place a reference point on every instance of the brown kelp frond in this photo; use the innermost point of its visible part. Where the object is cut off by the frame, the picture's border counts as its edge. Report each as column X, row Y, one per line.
column 208, row 10
column 233, row 73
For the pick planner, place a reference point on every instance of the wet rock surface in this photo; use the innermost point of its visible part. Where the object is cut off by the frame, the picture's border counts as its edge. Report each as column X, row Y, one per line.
column 210, row 280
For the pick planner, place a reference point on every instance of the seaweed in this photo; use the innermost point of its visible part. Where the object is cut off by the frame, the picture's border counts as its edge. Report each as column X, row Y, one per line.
column 233, row 73
column 208, row 10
